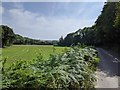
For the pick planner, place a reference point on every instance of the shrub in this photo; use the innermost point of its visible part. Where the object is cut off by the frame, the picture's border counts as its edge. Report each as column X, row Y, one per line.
column 74, row 68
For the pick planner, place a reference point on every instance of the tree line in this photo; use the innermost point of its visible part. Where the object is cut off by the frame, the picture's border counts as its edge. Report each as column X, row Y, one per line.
column 8, row 37
column 105, row 31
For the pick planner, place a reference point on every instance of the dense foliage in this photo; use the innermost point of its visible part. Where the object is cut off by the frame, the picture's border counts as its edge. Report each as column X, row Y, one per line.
column 0, row 37
column 105, row 31
column 74, row 68
column 84, row 36
column 7, row 35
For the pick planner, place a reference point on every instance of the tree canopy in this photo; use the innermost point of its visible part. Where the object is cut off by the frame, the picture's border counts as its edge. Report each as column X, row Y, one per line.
column 7, row 35
column 105, row 31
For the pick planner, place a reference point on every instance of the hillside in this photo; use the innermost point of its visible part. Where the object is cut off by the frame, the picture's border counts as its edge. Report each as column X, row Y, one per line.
column 8, row 38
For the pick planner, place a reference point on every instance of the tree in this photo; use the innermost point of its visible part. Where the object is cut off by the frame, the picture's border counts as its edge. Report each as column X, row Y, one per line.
column 61, row 41
column 68, row 40
column 8, row 35
column 0, row 37
column 117, row 19
column 104, row 24
column 117, row 23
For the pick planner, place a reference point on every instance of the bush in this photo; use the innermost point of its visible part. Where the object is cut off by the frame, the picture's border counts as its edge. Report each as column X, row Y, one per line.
column 74, row 68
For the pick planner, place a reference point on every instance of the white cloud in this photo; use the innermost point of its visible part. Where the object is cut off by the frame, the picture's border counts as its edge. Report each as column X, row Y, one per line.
column 34, row 25
column 1, row 10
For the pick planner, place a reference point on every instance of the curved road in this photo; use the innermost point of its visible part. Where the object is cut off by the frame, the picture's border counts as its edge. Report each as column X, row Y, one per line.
column 107, row 73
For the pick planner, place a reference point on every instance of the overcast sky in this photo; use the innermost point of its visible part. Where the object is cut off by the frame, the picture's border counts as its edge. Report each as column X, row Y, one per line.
column 49, row 20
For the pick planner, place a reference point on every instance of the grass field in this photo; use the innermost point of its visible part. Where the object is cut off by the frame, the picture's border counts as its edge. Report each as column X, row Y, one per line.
column 28, row 52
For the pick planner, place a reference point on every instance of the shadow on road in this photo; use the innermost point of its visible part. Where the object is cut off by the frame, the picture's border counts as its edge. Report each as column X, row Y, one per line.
column 108, row 63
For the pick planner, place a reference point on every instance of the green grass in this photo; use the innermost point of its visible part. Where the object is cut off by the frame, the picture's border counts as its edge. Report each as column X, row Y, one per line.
column 28, row 52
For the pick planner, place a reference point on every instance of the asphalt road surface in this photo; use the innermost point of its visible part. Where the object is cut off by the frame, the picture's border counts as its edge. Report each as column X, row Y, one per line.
column 108, row 70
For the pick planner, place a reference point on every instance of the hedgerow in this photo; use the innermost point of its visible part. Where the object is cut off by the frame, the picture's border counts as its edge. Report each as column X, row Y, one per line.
column 74, row 68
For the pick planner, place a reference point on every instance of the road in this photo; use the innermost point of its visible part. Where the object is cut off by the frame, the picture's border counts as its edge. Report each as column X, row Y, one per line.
column 107, row 73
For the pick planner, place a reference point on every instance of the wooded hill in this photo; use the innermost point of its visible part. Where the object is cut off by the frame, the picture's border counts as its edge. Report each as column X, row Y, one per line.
column 8, row 37
column 105, row 31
